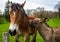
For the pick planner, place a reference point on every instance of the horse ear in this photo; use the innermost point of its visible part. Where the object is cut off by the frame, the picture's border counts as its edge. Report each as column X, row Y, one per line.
column 10, row 4
column 22, row 5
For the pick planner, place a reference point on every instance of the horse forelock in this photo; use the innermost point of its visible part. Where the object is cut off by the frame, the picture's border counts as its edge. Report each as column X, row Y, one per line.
column 15, row 6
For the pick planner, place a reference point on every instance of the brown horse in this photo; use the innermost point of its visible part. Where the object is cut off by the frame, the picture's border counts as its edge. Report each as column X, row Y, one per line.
column 20, row 23
column 49, row 34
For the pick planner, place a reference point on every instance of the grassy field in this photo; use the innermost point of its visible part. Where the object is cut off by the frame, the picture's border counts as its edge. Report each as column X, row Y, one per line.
column 52, row 23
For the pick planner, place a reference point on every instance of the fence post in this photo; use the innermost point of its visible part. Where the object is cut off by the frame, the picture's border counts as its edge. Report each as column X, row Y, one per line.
column 5, row 37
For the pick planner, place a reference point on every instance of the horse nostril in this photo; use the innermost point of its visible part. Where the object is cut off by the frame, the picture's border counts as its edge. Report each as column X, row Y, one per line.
column 9, row 31
column 12, row 33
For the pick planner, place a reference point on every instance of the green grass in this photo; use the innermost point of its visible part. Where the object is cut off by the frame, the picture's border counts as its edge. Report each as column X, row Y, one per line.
column 4, row 28
column 55, row 22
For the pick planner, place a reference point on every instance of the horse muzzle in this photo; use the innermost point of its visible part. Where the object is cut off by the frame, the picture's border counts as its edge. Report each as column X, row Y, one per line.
column 12, row 33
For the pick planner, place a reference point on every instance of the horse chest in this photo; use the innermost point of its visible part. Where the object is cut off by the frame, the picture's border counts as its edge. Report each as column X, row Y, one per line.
column 24, row 26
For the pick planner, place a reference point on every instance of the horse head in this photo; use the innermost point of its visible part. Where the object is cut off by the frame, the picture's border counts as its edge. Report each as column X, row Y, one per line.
column 16, row 13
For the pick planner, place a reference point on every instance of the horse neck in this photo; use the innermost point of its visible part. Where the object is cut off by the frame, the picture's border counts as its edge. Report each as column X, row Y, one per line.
column 31, row 17
column 44, row 31
column 23, row 21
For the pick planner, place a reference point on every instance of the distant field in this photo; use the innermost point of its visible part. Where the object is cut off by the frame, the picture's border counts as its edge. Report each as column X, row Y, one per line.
column 52, row 23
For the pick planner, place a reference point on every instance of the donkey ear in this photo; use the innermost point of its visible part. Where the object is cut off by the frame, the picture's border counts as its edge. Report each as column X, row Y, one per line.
column 22, row 5
column 46, row 19
column 10, row 4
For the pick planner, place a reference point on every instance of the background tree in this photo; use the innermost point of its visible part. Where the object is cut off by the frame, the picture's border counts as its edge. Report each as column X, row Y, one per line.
column 58, row 7
column 7, row 11
column 0, row 13
column 2, row 18
column 40, row 11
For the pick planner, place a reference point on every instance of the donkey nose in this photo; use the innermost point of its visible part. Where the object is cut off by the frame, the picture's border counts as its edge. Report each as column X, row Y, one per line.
column 12, row 33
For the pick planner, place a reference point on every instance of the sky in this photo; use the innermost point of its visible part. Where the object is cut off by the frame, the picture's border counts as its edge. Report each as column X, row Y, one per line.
column 32, row 4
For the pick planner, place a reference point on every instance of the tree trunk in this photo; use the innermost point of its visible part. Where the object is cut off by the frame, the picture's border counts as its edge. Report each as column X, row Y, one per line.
column 59, row 12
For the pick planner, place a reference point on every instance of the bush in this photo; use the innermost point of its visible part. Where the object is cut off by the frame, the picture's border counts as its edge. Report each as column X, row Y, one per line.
column 2, row 20
column 7, row 17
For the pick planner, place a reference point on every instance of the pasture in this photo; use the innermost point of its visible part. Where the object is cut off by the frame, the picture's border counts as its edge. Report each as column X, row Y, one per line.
column 54, row 22
column 4, row 27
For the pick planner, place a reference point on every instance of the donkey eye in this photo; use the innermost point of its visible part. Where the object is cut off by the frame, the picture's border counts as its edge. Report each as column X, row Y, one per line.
column 40, row 22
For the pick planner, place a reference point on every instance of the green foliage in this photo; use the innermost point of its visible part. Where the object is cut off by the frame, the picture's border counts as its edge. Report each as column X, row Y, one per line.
column 7, row 17
column 57, row 6
column 7, row 11
column 2, row 20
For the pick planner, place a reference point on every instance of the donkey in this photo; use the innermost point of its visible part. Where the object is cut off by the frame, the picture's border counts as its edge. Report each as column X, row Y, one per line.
column 20, row 23
column 48, row 34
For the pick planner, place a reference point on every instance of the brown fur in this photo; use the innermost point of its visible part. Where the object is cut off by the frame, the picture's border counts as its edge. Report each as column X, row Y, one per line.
column 48, row 34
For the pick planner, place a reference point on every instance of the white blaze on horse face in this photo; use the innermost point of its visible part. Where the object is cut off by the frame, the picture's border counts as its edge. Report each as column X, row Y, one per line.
column 14, row 13
column 13, row 27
